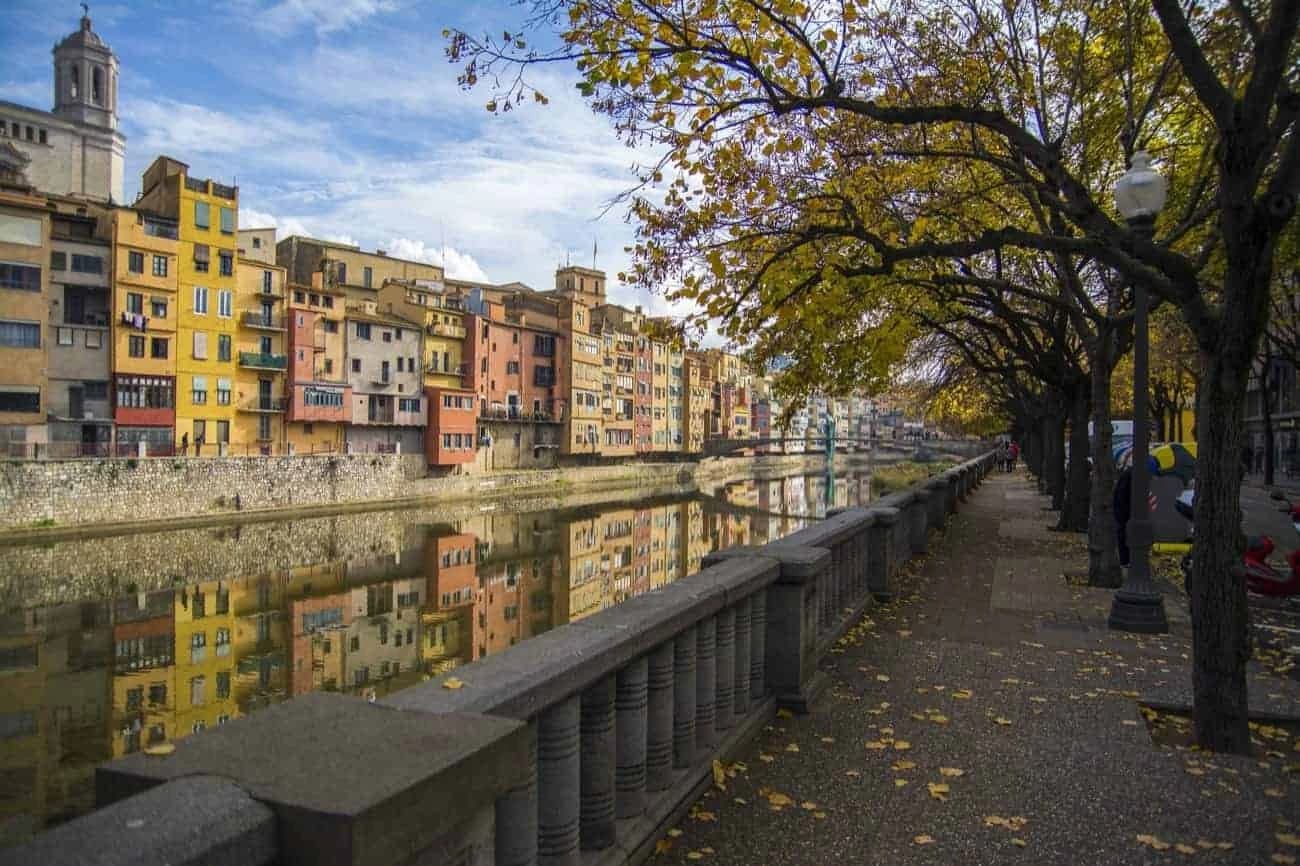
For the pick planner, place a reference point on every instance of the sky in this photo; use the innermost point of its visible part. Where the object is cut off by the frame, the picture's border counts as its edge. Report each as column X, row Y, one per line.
column 342, row 119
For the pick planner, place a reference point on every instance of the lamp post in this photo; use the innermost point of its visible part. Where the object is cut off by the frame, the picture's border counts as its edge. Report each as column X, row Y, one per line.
column 1138, row 606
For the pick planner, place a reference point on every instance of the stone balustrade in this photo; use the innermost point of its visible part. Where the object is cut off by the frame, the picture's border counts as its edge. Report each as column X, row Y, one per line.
column 581, row 745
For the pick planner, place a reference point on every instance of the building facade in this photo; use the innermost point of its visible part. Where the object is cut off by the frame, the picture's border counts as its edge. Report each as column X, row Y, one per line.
column 388, row 403
column 24, row 309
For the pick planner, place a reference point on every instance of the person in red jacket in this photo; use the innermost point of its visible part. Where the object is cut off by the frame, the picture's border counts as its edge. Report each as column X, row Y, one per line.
column 1013, row 454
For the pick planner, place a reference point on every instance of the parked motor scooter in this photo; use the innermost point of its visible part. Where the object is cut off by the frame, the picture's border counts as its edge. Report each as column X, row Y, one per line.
column 1261, row 577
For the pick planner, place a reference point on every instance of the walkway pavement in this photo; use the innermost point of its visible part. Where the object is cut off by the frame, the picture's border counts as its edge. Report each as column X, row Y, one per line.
column 989, row 717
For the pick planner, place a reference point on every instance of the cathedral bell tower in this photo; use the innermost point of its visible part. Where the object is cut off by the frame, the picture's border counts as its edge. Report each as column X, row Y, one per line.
column 85, row 78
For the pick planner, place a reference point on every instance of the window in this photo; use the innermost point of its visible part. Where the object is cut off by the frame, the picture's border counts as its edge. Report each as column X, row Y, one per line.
column 328, row 302
column 198, row 645
column 223, row 399
column 223, row 347
column 227, row 221
column 367, row 277
column 408, row 404
column 257, row 243
column 314, row 299
column 58, row 260
column 202, row 218
column 200, row 300
column 158, row 694
column 160, row 266
column 410, row 364
column 356, row 365
column 21, row 230
column 544, row 345
column 225, row 303
column 363, row 330
column 135, row 347
column 134, row 303
column 26, row 278
column 388, row 336
column 94, row 339
column 401, row 364
column 87, row 264
column 65, row 336
column 223, row 431
column 266, row 281
column 199, row 391
column 144, row 392
column 331, row 326
column 223, row 683
column 227, row 263
column 201, row 258
column 299, row 297
column 223, row 647
column 342, row 272
column 198, row 687
column 158, row 307
column 16, row 400
column 158, row 347
column 512, row 368
column 20, row 335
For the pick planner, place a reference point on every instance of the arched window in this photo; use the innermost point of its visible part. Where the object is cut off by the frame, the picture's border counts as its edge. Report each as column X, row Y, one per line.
column 74, row 81
column 97, row 85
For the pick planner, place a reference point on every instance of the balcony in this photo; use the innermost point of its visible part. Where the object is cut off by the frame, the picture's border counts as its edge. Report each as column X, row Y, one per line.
column 264, row 404
column 518, row 413
column 264, row 322
column 381, row 380
column 263, row 361
column 456, row 332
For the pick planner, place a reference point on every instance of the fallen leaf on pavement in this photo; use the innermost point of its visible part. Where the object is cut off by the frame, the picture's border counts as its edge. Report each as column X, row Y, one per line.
column 902, row 745
column 1018, row 842
column 1153, row 841
column 719, row 775
column 951, row 772
column 900, row 783
column 902, row 765
column 160, row 749
column 453, row 683
column 923, row 840
column 1002, row 721
column 938, row 790
column 663, row 846
column 793, row 747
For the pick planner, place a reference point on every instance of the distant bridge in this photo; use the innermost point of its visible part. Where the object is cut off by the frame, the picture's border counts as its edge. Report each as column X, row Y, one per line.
column 720, row 447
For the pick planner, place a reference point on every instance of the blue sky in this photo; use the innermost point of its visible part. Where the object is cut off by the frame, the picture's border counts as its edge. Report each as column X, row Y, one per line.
column 342, row 119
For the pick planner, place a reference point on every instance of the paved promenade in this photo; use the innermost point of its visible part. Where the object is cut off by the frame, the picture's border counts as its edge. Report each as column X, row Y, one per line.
column 989, row 717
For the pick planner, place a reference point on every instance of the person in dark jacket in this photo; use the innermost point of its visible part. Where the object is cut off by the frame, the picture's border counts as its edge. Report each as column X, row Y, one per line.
column 1123, row 507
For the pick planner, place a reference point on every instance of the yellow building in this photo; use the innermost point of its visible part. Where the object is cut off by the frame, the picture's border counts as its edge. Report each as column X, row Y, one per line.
column 663, row 440
column 442, row 315
column 206, row 213
column 145, row 311
column 205, row 659
column 260, row 391
column 24, row 308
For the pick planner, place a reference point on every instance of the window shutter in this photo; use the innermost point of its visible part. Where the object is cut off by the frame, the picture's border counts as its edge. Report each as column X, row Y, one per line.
column 201, row 344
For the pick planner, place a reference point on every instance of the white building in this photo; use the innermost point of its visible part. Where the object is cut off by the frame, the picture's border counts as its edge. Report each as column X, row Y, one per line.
column 76, row 149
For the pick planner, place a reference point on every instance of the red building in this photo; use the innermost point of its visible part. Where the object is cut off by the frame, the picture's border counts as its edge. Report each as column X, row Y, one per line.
column 450, row 438
column 512, row 367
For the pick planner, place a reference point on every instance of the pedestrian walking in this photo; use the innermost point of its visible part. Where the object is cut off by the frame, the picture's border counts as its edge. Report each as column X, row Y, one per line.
column 198, row 444
column 1001, row 455
column 1013, row 454
column 185, row 444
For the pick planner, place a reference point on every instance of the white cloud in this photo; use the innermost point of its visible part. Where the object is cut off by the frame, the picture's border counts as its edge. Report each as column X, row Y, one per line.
column 33, row 93
column 455, row 263
column 323, row 16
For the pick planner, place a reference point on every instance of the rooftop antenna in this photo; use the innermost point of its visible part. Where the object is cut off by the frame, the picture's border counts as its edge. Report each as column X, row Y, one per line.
column 442, row 231
column 593, row 252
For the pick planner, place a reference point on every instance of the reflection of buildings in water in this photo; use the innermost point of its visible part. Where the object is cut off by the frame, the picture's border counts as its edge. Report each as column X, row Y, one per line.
column 89, row 681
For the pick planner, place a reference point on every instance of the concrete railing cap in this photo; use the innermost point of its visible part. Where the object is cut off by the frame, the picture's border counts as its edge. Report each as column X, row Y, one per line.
column 885, row 515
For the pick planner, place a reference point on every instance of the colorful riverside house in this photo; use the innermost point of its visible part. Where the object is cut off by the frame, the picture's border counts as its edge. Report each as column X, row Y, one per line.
column 320, row 396
column 78, row 406
column 449, row 440
column 206, row 327
column 24, row 308
column 447, row 616
column 388, row 402
column 145, row 311
column 260, row 380
column 698, row 401
column 643, row 397
column 144, row 671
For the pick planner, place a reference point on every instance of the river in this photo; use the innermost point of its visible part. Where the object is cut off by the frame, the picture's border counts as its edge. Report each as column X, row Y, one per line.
column 111, row 645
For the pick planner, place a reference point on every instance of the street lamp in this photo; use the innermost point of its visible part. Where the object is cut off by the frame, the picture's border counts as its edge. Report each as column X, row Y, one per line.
column 1138, row 606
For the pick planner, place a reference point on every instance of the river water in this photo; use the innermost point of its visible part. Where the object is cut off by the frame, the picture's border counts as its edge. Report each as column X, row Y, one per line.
column 110, row 645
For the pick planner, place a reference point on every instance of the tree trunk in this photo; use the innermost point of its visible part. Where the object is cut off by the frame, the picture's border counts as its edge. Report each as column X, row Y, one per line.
column 1220, row 625
column 1074, row 505
column 1054, row 451
column 1103, row 555
column 1266, row 406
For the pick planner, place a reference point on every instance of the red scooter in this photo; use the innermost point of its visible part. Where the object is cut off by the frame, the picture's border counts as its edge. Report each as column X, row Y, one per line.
column 1261, row 577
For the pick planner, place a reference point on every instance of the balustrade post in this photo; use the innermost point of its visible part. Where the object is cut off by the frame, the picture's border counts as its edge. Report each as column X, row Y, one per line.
column 659, row 718
column 630, row 704
column 880, row 556
column 684, row 698
column 706, row 685
column 598, row 749
column 758, row 645
column 740, row 671
column 559, row 784
column 951, row 491
column 725, row 669
column 918, row 521
column 516, row 815
column 938, row 509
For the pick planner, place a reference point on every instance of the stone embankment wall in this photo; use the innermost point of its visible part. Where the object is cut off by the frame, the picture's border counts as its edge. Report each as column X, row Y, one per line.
column 57, row 494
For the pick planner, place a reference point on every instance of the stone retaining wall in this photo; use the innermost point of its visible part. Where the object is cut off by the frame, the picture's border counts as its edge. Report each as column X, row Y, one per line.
column 63, row 493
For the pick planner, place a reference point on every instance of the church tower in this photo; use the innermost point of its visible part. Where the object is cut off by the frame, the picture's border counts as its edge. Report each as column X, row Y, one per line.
column 85, row 78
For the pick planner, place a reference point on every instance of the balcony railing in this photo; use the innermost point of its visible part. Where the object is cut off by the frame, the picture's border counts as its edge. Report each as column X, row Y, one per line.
column 195, row 185
column 266, row 323
column 441, row 330
column 518, row 413
column 264, row 404
column 263, row 361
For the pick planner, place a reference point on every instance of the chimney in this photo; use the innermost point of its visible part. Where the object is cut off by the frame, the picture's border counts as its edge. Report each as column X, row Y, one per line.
column 381, row 252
